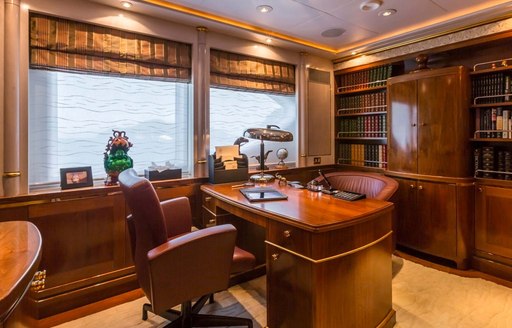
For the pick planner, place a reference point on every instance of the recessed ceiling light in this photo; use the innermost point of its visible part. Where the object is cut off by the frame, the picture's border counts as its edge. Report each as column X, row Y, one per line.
column 126, row 4
column 333, row 32
column 264, row 9
column 354, row 53
column 387, row 12
column 370, row 5
column 268, row 40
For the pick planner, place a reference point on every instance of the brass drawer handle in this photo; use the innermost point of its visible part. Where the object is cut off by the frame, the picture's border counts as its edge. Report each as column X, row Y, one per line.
column 420, row 187
column 211, row 221
column 287, row 234
column 275, row 256
column 207, row 199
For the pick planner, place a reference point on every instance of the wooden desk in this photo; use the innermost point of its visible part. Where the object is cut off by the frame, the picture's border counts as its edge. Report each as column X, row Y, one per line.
column 20, row 253
column 328, row 260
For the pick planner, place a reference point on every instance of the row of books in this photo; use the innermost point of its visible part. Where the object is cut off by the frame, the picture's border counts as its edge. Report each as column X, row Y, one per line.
column 362, row 103
column 493, row 123
column 495, row 87
column 373, row 77
column 363, row 155
column 371, row 126
column 493, row 163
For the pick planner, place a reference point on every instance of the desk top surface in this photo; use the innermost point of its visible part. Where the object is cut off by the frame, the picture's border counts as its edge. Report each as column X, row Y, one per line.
column 314, row 211
column 20, row 252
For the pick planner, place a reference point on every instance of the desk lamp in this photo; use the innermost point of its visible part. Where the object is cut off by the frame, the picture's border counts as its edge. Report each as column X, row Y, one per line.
column 270, row 133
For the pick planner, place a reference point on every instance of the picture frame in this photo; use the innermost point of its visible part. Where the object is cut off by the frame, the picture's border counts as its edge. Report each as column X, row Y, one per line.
column 75, row 177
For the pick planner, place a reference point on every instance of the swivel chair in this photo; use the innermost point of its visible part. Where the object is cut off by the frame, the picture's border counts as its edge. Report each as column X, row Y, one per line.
column 374, row 185
column 175, row 265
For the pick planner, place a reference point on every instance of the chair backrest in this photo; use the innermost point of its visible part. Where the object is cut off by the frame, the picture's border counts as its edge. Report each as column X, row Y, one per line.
column 146, row 224
column 374, row 185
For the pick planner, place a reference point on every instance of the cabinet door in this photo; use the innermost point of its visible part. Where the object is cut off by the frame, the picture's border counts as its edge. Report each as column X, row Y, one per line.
column 493, row 220
column 441, row 144
column 437, row 218
column 427, row 217
column 402, row 136
column 405, row 208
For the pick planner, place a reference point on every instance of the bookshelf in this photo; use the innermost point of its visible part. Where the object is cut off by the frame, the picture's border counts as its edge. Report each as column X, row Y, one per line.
column 491, row 107
column 361, row 115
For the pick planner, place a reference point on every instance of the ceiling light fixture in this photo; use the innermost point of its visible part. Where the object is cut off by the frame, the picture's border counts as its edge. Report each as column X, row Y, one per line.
column 354, row 53
column 268, row 40
column 387, row 12
column 264, row 9
column 126, row 4
column 370, row 5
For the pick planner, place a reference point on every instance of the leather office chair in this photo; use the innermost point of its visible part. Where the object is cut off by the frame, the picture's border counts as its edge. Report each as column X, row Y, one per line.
column 374, row 185
column 174, row 265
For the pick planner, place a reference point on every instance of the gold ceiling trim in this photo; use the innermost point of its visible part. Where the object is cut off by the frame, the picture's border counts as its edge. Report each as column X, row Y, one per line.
column 234, row 23
column 421, row 39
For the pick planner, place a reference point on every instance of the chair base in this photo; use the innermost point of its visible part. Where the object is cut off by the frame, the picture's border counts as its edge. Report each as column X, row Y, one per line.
column 189, row 316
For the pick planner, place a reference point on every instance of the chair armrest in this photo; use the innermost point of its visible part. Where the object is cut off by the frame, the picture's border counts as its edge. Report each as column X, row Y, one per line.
column 178, row 217
column 190, row 266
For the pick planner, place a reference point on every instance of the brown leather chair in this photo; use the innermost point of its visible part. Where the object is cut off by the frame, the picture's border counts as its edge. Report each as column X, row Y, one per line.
column 175, row 265
column 374, row 185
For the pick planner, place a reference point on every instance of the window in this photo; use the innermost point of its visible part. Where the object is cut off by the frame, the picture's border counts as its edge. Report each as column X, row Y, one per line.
column 251, row 92
column 71, row 117
column 232, row 112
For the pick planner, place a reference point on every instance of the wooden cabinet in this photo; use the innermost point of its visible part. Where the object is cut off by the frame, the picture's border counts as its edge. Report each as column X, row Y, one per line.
column 429, row 123
column 435, row 218
column 428, row 151
column 493, row 223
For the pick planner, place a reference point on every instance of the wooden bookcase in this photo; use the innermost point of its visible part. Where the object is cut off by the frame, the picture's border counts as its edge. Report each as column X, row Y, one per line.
column 361, row 115
column 492, row 112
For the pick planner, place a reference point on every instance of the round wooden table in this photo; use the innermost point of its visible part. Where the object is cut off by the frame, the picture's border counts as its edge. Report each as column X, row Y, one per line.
column 20, row 253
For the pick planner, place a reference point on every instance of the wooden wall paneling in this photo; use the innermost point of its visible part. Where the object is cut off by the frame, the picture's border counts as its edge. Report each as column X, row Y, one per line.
column 84, row 245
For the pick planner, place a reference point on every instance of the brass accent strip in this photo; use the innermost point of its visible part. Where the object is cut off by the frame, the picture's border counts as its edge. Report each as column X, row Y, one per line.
column 419, row 39
column 330, row 258
column 14, row 174
column 232, row 22
column 201, row 161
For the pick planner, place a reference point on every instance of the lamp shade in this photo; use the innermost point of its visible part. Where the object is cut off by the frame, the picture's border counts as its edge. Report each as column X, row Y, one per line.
column 269, row 133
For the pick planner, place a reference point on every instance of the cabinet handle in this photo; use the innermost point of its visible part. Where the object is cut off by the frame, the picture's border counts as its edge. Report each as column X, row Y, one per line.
column 275, row 256
column 423, row 124
column 412, row 186
column 420, row 187
column 287, row 234
column 480, row 189
column 413, row 124
column 207, row 199
column 211, row 221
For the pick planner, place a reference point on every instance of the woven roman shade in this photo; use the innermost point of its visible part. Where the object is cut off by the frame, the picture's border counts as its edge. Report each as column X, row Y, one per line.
column 240, row 72
column 62, row 44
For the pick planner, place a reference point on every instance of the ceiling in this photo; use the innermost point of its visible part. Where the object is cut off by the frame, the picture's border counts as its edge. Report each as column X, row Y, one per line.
column 299, row 24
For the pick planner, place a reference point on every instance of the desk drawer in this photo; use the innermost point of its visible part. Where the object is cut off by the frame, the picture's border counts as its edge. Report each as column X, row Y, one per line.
column 208, row 202
column 292, row 238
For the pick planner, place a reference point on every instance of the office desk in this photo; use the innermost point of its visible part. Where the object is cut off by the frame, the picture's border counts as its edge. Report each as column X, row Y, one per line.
column 20, row 253
column 328, row 261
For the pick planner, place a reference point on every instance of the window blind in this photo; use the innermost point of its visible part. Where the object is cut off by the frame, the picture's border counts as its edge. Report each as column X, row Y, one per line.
column 57, row 43
column 240, row 72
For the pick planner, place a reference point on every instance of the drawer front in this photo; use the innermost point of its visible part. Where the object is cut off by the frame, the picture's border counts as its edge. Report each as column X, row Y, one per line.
column 209, row 218
column 289, row 237
column 208, row 202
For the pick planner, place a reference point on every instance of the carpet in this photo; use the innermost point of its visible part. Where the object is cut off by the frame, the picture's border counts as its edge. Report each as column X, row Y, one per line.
column 422, row 298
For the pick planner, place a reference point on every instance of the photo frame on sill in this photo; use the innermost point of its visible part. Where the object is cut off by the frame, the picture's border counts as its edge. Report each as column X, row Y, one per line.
column 75, row 177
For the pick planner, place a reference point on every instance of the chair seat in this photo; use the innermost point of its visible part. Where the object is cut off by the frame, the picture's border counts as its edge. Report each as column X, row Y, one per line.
column 242, row 261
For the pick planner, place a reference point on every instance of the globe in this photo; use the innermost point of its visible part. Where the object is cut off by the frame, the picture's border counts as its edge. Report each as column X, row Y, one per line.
column 282, row 154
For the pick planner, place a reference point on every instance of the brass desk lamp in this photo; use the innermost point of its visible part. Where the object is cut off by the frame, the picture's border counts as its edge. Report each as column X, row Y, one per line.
column 270, row 133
